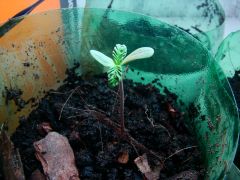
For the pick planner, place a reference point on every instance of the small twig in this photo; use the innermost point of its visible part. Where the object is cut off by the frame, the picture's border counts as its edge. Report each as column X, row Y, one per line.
column 88, row 106
column 135, row 149
column 57, row 92
column 186, row 160
column 114, row 92
column 83, row 99
column 179, row 152
column 163, row 127
column 100, row 130
column 70, row 117
column 60, row 116
column 74, row 108
column 154, row 125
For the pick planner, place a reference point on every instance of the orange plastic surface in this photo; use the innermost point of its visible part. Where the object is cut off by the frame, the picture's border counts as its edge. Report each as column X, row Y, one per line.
column 8, row 8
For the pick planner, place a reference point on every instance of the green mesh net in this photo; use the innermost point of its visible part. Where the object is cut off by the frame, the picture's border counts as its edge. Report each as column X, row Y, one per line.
column 53, row 42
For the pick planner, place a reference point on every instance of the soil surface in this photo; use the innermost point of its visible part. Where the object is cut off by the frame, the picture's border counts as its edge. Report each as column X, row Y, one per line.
column 1, row 174
column 151, row 118
column 235, row 84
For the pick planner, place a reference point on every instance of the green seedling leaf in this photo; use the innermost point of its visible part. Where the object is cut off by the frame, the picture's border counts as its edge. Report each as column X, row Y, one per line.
column 119, row 53
column 114, row 75
column 102, row 58
column 140, row 53
column 119, row 59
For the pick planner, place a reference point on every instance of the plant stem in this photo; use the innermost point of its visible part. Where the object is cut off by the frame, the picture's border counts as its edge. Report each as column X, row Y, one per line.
column 122, row 120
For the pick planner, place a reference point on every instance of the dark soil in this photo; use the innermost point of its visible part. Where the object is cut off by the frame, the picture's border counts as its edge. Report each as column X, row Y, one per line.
column 149, row 116
column 1, row 174
column 235, row 84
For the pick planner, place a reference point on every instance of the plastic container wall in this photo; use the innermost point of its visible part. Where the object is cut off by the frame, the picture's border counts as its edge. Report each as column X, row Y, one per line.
column 202, row 18
column 228, row 57
column 228, row 54
column 36, row 53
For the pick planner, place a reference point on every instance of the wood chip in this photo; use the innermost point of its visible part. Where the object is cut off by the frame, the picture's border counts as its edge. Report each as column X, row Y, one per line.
column 143, row 166
column 56, row 157
column 37, row 175
column 123, row 157
column 11, row 161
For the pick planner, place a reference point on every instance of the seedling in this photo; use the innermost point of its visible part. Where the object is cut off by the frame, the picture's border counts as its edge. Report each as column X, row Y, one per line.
column 115, row 69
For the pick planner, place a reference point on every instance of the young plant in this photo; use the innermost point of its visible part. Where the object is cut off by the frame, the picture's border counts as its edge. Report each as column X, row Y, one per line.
column 115, row 69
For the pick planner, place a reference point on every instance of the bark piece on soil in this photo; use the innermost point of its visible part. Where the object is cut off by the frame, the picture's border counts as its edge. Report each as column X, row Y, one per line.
column 191, row 174
column 144, row 167
column 10, row 158
column 37, row 175
column 57, row 158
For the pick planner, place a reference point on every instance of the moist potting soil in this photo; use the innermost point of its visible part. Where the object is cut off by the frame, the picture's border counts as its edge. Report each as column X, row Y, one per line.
column 151, row 118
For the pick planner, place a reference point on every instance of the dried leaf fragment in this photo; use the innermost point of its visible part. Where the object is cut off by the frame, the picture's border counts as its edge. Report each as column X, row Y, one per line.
column 56, row 157
column 143, row 166
column 123, row 157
